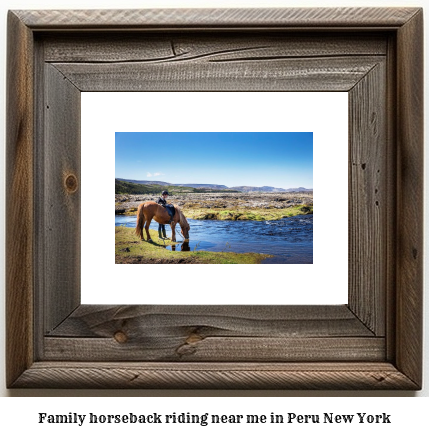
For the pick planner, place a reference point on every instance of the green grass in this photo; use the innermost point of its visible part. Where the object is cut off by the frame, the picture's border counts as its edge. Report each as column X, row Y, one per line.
column 130, row 249
column 239, row 214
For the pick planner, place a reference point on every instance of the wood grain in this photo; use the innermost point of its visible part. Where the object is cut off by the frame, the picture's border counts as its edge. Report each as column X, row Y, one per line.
column 99, row 321
column 61, row 188
column 215, row 376
column 368, row 203
column 19, row 200
column 290, row 18
column 325, row 74
column 167, row 47
column 213, row 333
column 391, row 191
column 409, row 279
column 178, row 347
column 39, row 152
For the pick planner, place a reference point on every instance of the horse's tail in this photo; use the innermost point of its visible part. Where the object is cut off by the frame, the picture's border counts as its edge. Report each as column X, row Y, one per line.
column 140, row 221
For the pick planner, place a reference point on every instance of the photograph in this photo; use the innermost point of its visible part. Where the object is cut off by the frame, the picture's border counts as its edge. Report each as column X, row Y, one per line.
column 214, row 197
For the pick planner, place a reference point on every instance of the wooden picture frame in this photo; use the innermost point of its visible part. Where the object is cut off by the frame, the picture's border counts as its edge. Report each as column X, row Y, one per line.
column 373, row 342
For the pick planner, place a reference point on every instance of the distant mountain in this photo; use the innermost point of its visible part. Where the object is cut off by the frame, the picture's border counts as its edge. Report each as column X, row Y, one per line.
column 125, row 187
column 202, row 185
column 208, row 187
column 301, row 189
column 189, row 185
column 258, row 189
column 144, row 182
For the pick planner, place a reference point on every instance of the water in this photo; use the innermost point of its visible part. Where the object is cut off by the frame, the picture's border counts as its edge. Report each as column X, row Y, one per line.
column 290, row 240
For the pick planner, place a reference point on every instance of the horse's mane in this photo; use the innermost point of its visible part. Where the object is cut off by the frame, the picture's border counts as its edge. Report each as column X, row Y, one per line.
column 183, row 222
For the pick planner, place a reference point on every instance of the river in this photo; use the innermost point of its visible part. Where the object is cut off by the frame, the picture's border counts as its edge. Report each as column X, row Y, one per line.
column 289, row 240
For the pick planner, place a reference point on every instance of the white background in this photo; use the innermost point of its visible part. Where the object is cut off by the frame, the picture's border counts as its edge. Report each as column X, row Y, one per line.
column 20, row 413
column 323, row 113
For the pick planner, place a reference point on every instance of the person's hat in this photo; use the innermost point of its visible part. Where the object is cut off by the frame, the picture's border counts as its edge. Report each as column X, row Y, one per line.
column 165, row 193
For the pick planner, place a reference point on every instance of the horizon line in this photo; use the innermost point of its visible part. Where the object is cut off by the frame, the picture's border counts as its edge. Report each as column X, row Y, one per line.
column 218, row 184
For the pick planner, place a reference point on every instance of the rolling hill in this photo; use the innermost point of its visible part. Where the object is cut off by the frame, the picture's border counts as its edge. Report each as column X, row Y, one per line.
column 129, row 186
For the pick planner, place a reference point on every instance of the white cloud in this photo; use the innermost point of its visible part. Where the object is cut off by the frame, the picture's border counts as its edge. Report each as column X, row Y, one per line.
column 154, row 174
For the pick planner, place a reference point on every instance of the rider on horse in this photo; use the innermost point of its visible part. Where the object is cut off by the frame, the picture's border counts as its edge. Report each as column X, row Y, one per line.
column 163, row 202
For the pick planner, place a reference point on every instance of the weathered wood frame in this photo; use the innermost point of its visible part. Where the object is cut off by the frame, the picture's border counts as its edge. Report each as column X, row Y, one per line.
column 374, row 342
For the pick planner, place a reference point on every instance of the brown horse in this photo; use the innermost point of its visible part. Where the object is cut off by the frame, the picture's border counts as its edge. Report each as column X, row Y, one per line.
column 151, row 210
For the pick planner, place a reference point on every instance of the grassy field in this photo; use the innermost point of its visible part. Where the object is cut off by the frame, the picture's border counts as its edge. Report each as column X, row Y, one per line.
column 130, row 249
column 255, row 214
column 237, row 214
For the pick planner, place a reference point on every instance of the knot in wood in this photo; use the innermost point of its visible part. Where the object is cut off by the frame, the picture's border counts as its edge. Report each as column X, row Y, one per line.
column 120, row 337
column 193, row 337
column 71, row 183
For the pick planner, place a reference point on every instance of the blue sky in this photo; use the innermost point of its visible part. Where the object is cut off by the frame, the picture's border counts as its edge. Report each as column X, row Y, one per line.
column 282, row 160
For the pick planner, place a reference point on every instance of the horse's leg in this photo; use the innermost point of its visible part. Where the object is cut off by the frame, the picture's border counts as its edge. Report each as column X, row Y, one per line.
column 147, row 230
column 142, row 226
column 173, row 232
column 141, row 232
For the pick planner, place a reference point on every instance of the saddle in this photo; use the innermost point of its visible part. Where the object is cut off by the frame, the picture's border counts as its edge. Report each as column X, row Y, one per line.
column 171, row 211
